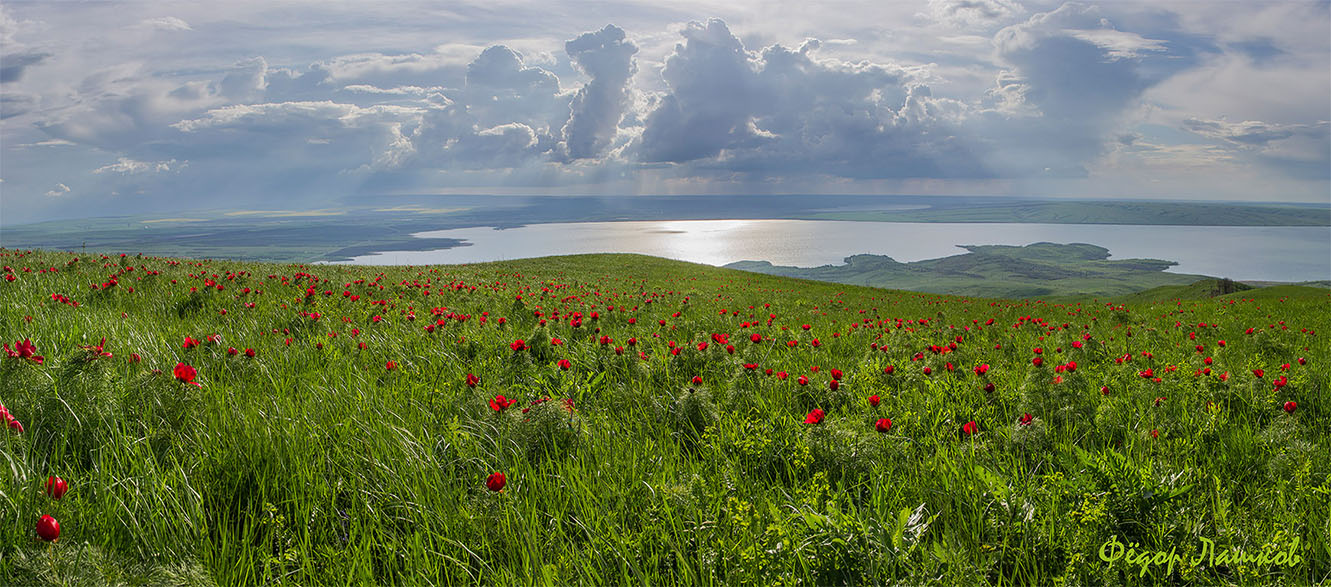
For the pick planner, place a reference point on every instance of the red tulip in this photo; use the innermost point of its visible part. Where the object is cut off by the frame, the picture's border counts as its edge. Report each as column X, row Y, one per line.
column 928, row 370
column 873, row 400
column 970, row 428
column 501, row 403
column 1025, row 419
column 697, row 379
column 989, row 387
column 1258, row 372
column 1104, row 390
column 888, row 370
column 56, row 487
column 390, row 365
column 814, row 417
column 565, row 364
column 803, row 380
column 833, row 384
column 1290, row 406
column 186, row 374
column 48, row 529
column 495, row 482
column 16, row 426
column 472, row 380
column 883, row 425
column 1155, row 433
column 518, row 345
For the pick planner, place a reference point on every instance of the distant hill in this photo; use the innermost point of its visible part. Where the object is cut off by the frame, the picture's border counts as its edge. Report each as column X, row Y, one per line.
column 1101, row 212
column 1035, row 270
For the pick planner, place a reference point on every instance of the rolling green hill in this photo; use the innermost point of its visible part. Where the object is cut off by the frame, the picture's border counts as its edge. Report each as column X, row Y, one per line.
column 1036, row 270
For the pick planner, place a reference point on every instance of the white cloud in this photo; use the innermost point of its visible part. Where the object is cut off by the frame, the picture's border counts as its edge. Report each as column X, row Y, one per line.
column 1118, row 44
column 606, row 56
column 973, row 13
column 60, row 190
column 127, row 166
column 166, row 23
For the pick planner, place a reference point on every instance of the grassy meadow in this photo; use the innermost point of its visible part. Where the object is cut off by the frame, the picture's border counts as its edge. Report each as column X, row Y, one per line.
column 670, row 423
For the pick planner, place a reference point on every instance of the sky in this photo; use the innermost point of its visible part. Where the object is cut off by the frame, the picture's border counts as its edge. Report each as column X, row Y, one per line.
column 155, row 107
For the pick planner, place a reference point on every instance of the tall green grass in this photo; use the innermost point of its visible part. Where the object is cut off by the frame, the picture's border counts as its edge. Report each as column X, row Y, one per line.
column 307, row 465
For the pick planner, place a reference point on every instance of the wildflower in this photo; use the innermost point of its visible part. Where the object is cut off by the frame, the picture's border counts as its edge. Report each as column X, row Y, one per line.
column 1025, row 419
column 48, row 529
column 495, row 482
column 501, row 403
column 1290, row 406
column 472, row 380
column 56, row 487
column 970, row 428
column 883, row 425
column 814, row 417
column 186, row 374
column 873, row 400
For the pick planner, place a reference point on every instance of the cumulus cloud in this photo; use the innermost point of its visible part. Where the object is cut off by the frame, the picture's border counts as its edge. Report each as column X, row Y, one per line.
column 606, row 56
column 1070, row 79
column 782, row 111
column 60, row 190
column 973, row 13
column 712, row 83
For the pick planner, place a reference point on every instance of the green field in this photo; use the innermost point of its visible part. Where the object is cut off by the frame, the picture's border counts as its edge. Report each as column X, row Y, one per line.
column 353, row 447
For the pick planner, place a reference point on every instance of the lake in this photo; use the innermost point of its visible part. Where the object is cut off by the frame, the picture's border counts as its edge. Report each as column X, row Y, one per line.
column 1272, row 253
